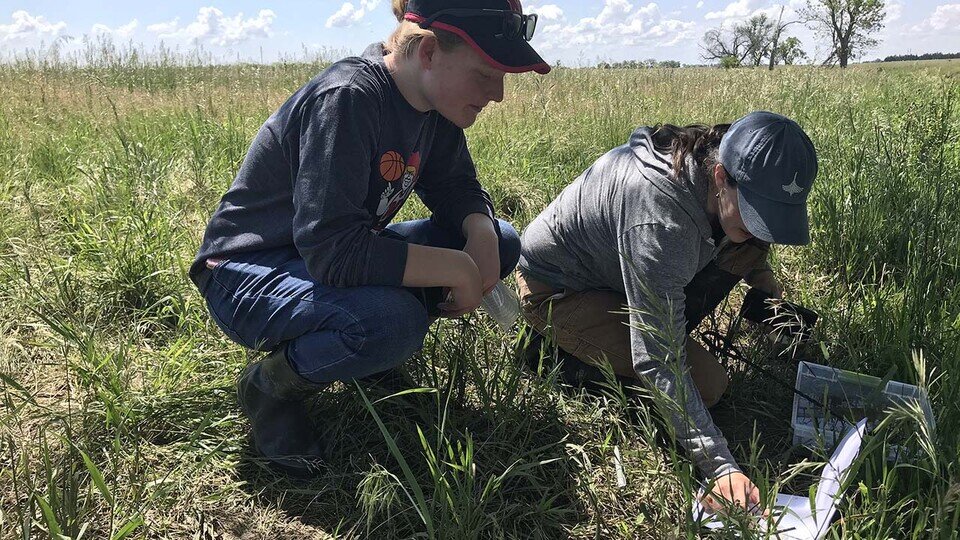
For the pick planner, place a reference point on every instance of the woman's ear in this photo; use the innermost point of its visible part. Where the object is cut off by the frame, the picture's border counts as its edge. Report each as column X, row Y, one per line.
column 719, row 179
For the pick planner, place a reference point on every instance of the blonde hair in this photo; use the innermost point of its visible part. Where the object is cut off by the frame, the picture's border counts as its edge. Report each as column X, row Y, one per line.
column 408, row 35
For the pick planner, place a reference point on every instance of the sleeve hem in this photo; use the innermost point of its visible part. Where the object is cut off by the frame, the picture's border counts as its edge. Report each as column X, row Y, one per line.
column 725, row 469
column 388, row 262
column 464, row 209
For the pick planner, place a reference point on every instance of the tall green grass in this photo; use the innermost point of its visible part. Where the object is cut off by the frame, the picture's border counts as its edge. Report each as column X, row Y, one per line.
column 118, row 418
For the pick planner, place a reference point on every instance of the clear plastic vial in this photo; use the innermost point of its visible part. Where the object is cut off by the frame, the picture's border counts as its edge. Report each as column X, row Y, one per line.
column 502, row 304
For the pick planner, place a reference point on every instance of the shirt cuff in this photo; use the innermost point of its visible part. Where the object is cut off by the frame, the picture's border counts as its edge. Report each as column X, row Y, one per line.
column 465, row 208
column 719, row 462
column 388, row 262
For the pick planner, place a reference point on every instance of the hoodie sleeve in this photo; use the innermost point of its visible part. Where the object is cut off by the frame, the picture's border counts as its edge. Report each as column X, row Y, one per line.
column 338, row 134
column 448, row 185
column 657, row 263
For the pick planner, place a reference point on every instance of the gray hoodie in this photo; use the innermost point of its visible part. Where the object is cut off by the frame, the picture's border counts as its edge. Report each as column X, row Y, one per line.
column 628, row 224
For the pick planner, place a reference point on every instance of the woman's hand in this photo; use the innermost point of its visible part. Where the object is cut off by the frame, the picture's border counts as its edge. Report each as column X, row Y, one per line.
column 483, row 246
column 734, row 488
column 766, row 281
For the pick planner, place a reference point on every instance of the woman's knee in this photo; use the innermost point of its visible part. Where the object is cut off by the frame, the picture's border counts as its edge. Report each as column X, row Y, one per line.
column 712, row 393
column 707, row 372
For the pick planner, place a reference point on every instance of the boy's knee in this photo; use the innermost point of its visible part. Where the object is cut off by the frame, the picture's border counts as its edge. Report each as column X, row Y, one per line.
column 394, row 333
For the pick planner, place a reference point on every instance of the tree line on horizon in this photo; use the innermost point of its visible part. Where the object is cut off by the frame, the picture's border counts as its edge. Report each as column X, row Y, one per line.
column 914, row 57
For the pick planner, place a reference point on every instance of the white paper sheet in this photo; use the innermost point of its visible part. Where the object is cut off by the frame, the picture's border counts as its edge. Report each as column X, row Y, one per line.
column 792, row 518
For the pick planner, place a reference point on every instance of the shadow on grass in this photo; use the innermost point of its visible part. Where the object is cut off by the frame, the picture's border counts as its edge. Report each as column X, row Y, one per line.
column 486, row 451
column 482, row 454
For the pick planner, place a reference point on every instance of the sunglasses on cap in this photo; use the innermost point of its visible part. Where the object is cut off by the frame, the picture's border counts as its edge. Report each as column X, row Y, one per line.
column 515, row 25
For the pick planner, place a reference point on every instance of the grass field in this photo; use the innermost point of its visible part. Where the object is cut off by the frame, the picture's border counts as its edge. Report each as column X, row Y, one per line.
column 118, row 415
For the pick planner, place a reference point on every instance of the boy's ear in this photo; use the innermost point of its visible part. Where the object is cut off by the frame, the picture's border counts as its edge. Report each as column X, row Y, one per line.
column 426, row 51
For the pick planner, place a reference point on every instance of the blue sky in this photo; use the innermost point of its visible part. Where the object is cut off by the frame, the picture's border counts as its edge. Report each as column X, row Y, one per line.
column 574, row 32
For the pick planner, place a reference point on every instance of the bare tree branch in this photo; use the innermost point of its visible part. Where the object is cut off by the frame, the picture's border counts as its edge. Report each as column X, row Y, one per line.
column 753, row 40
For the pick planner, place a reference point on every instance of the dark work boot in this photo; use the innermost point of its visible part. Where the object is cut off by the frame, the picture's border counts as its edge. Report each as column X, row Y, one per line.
column 390, row 381
column 274, row 397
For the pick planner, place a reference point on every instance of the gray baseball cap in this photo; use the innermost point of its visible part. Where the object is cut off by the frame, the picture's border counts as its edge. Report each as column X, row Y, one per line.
column 774, row 164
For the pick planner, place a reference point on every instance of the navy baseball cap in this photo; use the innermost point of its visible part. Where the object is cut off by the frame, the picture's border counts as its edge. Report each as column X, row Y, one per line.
column 497, row 30
column 774, row 163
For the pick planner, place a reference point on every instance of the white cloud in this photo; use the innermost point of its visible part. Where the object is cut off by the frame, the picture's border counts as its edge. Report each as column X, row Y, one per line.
column 213, row 27
column 345, row 16
column 613, row 10
column 619, row 24
column 168, row 27
column 700, row 4
column 735, row 10
column 122, row 32
column 547, row 12
column 945, row 17
column 349, row 14
column 741, row 10
column 894, row 12
column 26, row 26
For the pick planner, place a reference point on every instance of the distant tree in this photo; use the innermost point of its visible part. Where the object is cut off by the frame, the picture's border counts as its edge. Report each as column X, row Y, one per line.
column 638, row 64
column 719, row 43
column 775, row 47
column 728, row 62
column 926, row 56
column 758, row 32
column 748, row 43
column 848, row 23
column 789, row 52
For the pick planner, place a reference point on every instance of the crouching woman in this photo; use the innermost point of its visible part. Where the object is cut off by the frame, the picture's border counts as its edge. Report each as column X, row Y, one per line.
column 662, row 228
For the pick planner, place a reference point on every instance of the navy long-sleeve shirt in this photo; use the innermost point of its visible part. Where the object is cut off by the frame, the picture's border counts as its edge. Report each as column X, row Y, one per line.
column 331, row 168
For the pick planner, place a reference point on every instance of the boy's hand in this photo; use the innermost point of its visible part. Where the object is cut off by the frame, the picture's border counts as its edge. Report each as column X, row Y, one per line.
column 465, row 295
column 485, row 252
column 483, row 246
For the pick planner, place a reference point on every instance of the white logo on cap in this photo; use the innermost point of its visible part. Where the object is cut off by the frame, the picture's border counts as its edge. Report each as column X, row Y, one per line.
column 793, row 188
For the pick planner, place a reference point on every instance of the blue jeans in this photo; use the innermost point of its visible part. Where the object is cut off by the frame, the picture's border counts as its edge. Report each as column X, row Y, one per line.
column 264, row 300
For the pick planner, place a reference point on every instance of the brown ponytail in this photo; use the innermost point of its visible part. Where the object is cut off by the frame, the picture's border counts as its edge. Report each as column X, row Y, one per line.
column 696, row 140
column 408, row 35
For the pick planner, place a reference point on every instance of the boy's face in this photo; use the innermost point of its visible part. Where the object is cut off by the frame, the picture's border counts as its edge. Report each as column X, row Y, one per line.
column 459, row 83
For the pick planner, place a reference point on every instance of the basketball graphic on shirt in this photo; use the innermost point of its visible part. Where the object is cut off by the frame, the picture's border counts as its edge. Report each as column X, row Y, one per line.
column 397, row 191
column 391, row 166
